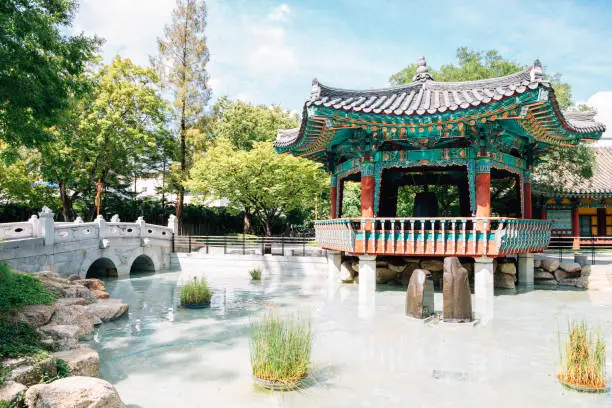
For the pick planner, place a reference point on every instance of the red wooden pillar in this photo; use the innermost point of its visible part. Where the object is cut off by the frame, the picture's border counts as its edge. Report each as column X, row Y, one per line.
column 575, row 227
column 483, row 187
column 367, row 190
column 527, row 197
column 333, row 197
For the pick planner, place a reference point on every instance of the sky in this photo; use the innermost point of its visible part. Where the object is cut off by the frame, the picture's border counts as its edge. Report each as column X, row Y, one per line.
column 268, row 52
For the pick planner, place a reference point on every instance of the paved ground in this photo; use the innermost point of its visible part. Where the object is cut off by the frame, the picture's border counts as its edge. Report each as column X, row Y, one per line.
column 368, row 356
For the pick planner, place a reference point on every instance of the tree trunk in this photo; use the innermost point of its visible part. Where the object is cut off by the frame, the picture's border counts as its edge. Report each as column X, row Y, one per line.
column 268, row 227
column 247, row 223
column 67, row 210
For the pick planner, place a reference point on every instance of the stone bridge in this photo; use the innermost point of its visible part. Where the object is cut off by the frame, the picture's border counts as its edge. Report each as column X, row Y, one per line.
column 87, row 249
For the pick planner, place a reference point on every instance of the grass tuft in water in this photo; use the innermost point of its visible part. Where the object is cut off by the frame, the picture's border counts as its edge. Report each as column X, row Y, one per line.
column 583, row 357
column 255, row 274
column 280, row 348
column 196, row 292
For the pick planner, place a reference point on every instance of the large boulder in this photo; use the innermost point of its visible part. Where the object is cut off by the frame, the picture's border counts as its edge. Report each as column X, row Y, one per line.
column 82, row 361
column 79, row 291
column 537, row 263
column 570, row 267
column 543, row 275
column 347, row 271
column 560, row 275
column 503, row 280
column 75, row 315
column 420, row 295
column 596, row 277
column 550, row 265
column 456, row 298
column 29, row 371
column 385, row 275
column 507, row 268
column 107, row 309
column 9, row 392
column 64, row 337
column 70, row 302
column 432, row 265
column 74, row 392
column 408, row 271
column 100, row 294
column 34, row 315
column 53, row 283
column 91, row 283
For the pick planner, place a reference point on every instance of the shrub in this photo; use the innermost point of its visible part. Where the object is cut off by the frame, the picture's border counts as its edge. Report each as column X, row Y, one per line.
column 196, row 292
column 583, row 357
column 280, row 348
column 255, row 274
column 19, row 289
column 62, row 368
column 18, row 339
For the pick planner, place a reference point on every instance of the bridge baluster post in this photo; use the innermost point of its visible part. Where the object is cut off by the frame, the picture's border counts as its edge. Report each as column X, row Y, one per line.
column 36, row 227
column 47, row 226
column 173, row 223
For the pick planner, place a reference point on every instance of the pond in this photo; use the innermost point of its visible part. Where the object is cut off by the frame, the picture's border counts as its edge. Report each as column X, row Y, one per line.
column 364, row 355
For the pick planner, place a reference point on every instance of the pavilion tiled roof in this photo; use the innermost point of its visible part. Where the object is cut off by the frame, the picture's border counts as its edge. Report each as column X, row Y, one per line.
column 425, row 96
column 601, row 182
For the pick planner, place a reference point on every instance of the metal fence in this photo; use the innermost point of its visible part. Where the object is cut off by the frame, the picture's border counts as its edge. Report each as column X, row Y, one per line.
column 595, row 249
column 246, row 245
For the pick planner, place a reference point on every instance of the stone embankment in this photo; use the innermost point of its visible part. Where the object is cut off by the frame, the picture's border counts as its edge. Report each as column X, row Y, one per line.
column 81, row 305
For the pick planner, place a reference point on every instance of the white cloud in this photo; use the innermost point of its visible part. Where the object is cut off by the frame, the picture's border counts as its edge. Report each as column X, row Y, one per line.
column 602, row 103
column 280, row 13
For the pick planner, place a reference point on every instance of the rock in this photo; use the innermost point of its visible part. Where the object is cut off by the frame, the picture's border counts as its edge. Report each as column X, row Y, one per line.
column 503, row 280
column 49, row 274
column 34, row 315
column 420, row 295
column 82, row 361
column 74, row 392
column 74, row 315
column 29, row 371
column 10, row 391
column 596, row 277
column 53, row 285
column 355, row 265
column 550, row 265
column 64, row 337
column 100, row 294
column 543, row 275
column 348, row 273
column 507, row 268
column 580, row 259
column 79, row 291
column 107, row 309
column 570, row 267
column 397, row 268
column 571, row 282
column 70, row 302
column 91, row 283
column 537, row 263
column 457, row 300
column 560, row 275
column 432, row 265
column 384, row 275
column 73, row 278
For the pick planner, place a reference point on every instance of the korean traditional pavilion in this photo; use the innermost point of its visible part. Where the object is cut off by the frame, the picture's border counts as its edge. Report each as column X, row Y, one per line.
column 460, row 134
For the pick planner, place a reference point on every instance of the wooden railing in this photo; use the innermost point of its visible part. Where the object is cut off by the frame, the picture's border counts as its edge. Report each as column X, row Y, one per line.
column 441, row 236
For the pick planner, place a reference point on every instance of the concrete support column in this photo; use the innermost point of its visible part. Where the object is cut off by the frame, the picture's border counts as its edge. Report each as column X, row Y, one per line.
column 367, row 285
column 333, row 197
column 525, row 269
column 334, row 262
column 483, row 186
column 527, row 197
column 483, row 289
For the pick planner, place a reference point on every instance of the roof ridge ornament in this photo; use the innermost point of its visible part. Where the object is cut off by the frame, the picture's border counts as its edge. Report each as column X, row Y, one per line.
column 315, row 93
column 422, row 72
column 537, row 73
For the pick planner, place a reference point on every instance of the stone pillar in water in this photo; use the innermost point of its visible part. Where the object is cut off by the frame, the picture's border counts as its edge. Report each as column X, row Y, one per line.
column 419, row 297
column 457, row 299
column 334, row 260
column 525, row 269
column 367, row 285
column 483, row 288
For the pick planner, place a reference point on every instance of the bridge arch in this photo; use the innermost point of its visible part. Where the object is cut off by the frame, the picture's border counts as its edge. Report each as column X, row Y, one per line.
column 102, row 268
column 142, row 263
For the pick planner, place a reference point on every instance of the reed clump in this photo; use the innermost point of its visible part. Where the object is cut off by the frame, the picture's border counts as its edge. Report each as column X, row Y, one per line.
column 255, row 274
column 280, row 348
column 196, row 292
column 583, row 357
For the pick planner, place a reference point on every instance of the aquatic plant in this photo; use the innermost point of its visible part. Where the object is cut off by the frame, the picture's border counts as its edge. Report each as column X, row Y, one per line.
column 196, row 292
column 583, row 357
column 255, row 274
column 280, row 348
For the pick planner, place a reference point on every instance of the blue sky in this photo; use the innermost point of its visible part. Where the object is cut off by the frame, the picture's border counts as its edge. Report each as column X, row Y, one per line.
column 268, row 51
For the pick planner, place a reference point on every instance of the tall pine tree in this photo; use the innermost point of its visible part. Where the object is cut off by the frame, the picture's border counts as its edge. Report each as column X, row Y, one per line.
column 181, row 64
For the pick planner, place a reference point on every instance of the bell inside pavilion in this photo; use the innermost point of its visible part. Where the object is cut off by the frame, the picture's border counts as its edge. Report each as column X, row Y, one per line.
column 425, row 133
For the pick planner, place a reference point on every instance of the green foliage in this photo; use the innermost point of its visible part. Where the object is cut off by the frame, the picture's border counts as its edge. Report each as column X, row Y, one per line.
column 19, row 290
column 18, row 339
column 38, row 64
column 565, row 168
column 255, row 274
column 63, row 370
column 196, row 292
column 258, row 181
column 351, row 200
column 243, row 123
column 280, row 348
column 582, row 357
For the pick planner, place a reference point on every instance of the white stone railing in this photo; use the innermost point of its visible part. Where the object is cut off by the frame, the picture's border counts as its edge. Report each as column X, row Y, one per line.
column 43, row 226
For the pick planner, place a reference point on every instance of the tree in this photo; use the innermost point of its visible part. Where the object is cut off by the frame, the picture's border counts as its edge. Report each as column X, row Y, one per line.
column 568, row 165
column 181, row 64
column 38, row 64
column 109, row 133
column 268, row 183
column 243, row 123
